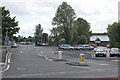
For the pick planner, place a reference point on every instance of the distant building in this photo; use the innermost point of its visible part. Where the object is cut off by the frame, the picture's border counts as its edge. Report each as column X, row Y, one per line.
column 99, row 39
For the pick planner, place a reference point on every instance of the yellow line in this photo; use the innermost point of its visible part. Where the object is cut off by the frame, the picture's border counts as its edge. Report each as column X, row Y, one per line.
column 116, row 60
column 9, row 56
column 2, row 63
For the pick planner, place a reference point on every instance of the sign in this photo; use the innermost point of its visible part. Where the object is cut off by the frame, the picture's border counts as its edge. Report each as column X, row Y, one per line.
column 97, row 41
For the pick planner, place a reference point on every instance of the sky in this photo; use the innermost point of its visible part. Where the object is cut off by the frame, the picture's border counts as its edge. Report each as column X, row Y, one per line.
column 29, row 13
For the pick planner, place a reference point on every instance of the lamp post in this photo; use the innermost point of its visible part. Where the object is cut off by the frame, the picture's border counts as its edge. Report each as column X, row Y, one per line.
column 6, row 38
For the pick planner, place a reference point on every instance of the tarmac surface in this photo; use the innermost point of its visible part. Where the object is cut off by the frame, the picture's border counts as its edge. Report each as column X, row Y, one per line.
column 29, row 61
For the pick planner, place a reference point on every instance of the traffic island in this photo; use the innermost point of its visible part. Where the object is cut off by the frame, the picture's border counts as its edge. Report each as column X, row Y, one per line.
column 76, row 64
column 80, row 63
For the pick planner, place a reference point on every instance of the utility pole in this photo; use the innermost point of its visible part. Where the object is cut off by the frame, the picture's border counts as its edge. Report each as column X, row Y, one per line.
column 6, row 39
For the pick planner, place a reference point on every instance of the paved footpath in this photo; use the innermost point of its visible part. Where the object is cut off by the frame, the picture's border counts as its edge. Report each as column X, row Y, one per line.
column 29, row 61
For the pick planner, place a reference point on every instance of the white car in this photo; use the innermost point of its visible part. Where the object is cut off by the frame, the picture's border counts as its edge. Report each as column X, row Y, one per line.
column 100, row 52
column 114, row 52
column 14, row 45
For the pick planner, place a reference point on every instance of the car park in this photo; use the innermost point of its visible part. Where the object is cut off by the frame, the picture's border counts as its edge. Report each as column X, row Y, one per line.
column 14, row 45
column 114, row 52
column 100, row 52
column 66, row 47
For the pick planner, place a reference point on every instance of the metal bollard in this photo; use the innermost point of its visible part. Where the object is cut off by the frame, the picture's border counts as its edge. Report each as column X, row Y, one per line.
column 82, row 58
column 108, row 54
column 60, row 54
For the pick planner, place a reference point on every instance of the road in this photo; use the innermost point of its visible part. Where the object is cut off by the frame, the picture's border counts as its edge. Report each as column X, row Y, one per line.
column 29, row 61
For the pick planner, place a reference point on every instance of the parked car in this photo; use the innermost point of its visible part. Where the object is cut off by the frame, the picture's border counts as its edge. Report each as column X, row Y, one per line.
column 85, row 47
column 66, row 47
column 59, row 46
column 114, row 52
column 100, row 52
column 78, row 47
column 14, row 45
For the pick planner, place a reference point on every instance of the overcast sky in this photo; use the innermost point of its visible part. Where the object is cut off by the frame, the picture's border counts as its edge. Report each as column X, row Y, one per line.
column 29, row 13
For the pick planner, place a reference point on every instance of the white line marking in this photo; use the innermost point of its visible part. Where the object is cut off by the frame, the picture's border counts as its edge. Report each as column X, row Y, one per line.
column 82, row 67
column 21, row 52
column 8, row 66
column 41, row 51
column 103, row 64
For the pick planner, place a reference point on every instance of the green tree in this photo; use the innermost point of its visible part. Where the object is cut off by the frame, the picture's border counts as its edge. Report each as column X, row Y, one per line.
column 83, row 29
column 113, row 33
column 38, row 33
column 45, row 38
column 83, row 39
column 10, row 23
column 64, row 18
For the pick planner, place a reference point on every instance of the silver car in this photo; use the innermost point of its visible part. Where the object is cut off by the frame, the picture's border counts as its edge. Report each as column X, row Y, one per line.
column 78, row 47
column 114, row 52
column 66, row 47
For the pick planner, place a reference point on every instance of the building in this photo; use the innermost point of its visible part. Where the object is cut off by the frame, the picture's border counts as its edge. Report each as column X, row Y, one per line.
column 101, row 39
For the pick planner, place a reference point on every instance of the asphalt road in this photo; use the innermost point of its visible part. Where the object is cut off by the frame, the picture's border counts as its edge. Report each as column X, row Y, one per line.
column 29, row 61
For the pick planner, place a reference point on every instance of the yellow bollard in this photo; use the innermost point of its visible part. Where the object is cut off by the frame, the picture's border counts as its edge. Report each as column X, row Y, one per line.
column 82, row 58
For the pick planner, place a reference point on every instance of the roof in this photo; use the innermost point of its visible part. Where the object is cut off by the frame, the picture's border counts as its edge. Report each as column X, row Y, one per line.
column 99, row 33
column 101, row 37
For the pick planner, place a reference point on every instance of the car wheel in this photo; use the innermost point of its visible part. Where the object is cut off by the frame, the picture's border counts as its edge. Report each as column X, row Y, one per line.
column 81, row 49
column 71, row 49
column 62, row 49
column 111, row 55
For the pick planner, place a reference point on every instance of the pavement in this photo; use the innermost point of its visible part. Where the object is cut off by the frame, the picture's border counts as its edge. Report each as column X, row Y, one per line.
column 29, row 61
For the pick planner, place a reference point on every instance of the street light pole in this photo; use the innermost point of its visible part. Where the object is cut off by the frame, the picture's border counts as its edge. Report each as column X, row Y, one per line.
column 6, row 38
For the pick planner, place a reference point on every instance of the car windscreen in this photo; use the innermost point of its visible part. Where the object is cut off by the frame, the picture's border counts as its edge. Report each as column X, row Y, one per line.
column 100, row 50
column 114, row 50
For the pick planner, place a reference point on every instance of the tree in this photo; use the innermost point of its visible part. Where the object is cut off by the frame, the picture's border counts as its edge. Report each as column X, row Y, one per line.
column 83, row 39
column 45, row 38
column 81, row 30
column 114, row 34
column 38, row 33
column 10, row 23
column 64, row 18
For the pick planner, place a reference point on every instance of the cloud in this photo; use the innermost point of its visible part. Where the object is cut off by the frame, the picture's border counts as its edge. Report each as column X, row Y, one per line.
column 99, row 13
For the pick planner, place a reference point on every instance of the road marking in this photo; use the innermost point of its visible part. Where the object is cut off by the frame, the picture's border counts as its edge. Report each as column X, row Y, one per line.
column 8, row 66
column 21, row 52
column 103, row 64
column 21, row 69
column 116, row 60
column 41, row 51
column 82, row 67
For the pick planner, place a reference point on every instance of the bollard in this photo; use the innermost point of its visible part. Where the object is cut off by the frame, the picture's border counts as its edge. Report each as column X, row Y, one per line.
column 82, row 58
column 93, row 55
column 108, row 54
column 60, row 54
